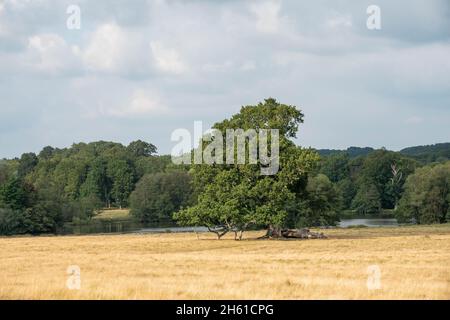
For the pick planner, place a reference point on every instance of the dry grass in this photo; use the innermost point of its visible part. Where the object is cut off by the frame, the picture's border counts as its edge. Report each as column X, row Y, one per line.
column 414, row 263
column 113, row 214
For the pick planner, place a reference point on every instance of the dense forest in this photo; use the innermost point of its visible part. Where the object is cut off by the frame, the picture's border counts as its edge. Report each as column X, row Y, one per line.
column 373, row 183
column 41, row 192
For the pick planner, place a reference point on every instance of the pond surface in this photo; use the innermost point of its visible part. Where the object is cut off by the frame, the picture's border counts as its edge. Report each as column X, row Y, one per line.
column 126, row 227
column 172, row 229
column 369, row 222
column 137, row 227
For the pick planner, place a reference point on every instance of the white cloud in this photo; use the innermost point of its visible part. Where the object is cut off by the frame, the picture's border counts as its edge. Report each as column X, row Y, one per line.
column 167, row 59
column 113, row 49
column 2, row 27
column 50, row 53
column 20, row 4
column 339, row 20
column 248, row 65
column 389, row 72
column 105, row 50
column 414, row 120
column 207, row 58
column 140, row 103
column 267, row 14
column 218, row 67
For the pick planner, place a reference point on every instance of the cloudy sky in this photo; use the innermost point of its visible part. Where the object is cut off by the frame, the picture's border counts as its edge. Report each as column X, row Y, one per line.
column 140, row 69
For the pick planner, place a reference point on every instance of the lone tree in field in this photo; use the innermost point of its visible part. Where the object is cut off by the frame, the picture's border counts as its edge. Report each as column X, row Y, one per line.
column 233, row 197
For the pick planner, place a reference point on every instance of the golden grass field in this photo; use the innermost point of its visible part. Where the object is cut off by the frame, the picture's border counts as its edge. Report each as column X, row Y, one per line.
column 414, row 264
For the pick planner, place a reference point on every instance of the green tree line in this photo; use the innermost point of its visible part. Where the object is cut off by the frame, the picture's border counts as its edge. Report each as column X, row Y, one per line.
column 41, row 192
column 390, row 180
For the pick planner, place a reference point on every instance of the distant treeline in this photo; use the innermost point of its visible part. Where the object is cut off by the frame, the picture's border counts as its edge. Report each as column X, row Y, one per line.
column 439, row 152
column 41, row 192
column 382, row 179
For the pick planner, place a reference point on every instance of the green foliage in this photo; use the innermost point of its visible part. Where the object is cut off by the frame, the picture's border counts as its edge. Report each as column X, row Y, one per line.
column 46, row 153
column 336, row 167
column 9, row 221
column 122, row 175
column 7, row 170
column 106, row 170
column 41, row 211
column 40, row 193
column 378, row 171
column 233, row 202
column 352, row 152
column 439, row 152
column 382, row 169
column 232, row 197
column 347, row 190
column 427, row 195
column 367, row 200
column 141, row 148
column 15, row 194
column 320, row 205
column 158, row 196
column 97, row 182
column 266, row 115
column 83, row 209
column 152, row 165
column 27, row 163
column 69, row 173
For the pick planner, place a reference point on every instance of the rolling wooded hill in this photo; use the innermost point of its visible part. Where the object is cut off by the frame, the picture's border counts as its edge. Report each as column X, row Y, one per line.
column 438, row 152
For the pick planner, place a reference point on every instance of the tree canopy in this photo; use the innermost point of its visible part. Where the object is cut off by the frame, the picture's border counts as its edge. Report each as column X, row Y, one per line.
column 233, row 197
column 157, row 196
column 427, row 195
column 39, row 194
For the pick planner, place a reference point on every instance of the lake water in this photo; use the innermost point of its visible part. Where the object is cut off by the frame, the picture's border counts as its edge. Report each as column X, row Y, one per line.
column 172, row 229
column 370, row 222
column 136, row 227
column 126, row 227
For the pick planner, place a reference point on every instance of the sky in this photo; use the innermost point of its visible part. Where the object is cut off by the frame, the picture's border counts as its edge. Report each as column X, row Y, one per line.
column 140, row 69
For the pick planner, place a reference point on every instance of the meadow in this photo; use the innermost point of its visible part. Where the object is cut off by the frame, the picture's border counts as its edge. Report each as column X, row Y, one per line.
column 113, row 215
column 413, row 261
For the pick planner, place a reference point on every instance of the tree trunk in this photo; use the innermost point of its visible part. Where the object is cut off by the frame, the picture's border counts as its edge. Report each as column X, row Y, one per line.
column 277, row 232
column 219, row 233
